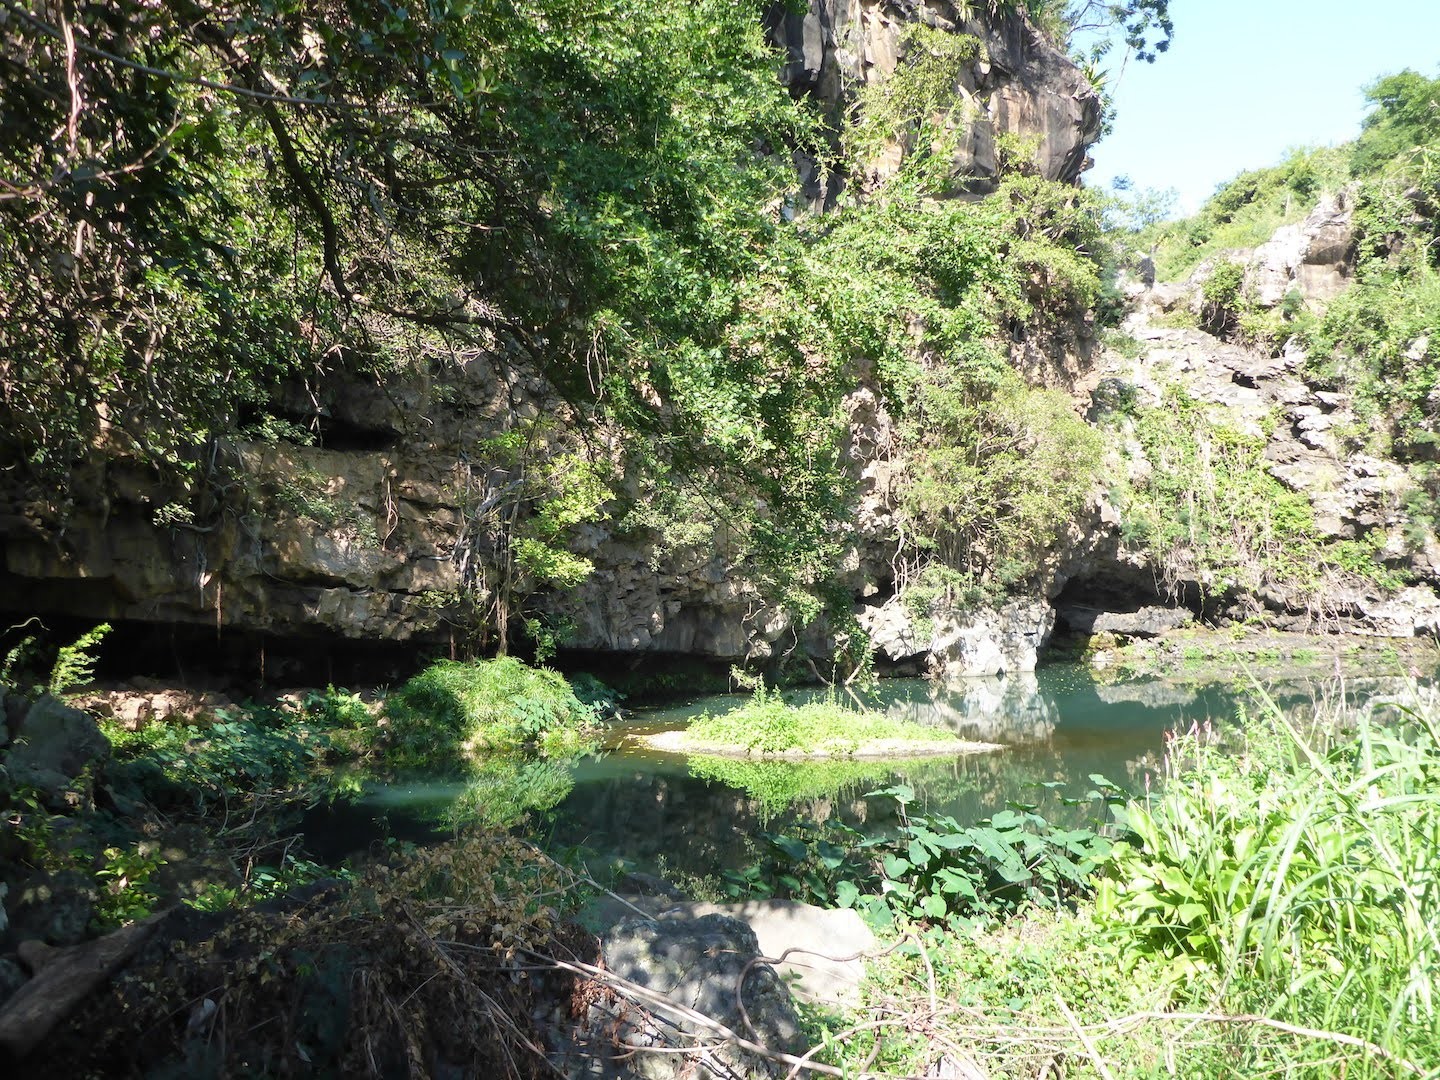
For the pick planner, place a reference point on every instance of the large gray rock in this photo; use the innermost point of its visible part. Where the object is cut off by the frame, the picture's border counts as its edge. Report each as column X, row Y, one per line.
column 1311, row 258
column 1410, row 612
column 1147, row 622
column 992, row 642
column 817, row 950
column 55, row 908
column 986, row 641
column 700, row 964
column 53, row 744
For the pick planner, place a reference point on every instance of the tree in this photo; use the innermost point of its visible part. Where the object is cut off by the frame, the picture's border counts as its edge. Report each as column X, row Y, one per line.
column 1405, row 115
column 243, row 190
column 1144, row 25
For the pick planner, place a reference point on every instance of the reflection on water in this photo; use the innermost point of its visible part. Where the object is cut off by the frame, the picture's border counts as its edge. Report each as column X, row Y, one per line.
column 1058, row 728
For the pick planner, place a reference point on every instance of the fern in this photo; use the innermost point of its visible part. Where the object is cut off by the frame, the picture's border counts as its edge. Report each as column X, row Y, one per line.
column 75, row 663
column 19, row 662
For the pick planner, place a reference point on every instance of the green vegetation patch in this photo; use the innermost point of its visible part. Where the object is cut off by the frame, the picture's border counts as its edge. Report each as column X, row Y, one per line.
column 1207, row 509
column 1298, row 880
column 1246, row 211
column 769, row 726
column 1266, row 912
column 457, row 711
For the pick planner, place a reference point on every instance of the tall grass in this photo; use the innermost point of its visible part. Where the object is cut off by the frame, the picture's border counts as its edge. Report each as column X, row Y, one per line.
column 1299, row 882
column 769, row 724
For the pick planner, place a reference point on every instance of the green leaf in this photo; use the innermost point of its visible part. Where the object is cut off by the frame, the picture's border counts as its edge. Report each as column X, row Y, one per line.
column 901, row 793
column 895, row 867
column 934, row 906
column 1013, row 873
column 790, row 847
column 831, row 856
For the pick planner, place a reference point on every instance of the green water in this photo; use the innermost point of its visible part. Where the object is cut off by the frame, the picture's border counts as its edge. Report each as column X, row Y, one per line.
column 1057, row 730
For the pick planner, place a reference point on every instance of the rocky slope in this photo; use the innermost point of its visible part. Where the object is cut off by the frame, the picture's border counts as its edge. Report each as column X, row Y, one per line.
column 1310, row 432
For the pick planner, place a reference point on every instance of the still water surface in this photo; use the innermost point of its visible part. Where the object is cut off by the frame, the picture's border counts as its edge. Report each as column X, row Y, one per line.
column 1058, row 728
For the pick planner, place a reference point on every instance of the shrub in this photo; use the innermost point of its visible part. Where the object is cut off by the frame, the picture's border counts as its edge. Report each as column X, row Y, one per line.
column 1245, row 211
column 247, row 755
column 1222, row 298
column 462, row 709
column 777, row 786
column 504, row 789
column 72, row 666
column 935, row 872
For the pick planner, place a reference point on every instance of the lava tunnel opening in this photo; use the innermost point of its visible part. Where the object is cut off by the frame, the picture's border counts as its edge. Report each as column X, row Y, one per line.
column 200, row 657
column 1083, row 605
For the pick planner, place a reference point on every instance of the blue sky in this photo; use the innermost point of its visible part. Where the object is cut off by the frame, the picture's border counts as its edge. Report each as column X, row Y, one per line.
column 1245, row 81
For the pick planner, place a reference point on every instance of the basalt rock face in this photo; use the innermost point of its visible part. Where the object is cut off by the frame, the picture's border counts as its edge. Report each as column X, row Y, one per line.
column 1307, row 430
column 1017, row 84
column 383, row 531
column 386, row 529
column 381, row 541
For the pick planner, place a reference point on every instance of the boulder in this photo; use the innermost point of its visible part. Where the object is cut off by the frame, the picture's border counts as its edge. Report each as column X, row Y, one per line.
column 1408, row 613
column 961, row 644
column 53, row 744
column 991, row 641
column 1311, row 258
column 1147, row 622
column 12, row 978
column 707, row 964
column 817, row 950
column 56, row 908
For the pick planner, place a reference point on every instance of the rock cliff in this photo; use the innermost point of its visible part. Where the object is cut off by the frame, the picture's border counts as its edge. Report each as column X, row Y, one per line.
column 1017, row 84
column 1310, row 435
column 384, row 529
column 390, row 526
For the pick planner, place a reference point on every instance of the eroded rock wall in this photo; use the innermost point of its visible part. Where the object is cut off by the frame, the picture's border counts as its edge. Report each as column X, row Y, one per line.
column 1309, row 433
column 1018, row 84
